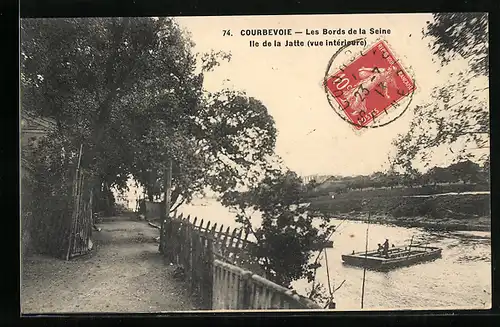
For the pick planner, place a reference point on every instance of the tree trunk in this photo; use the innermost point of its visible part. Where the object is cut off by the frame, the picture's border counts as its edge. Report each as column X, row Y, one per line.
column 166, row 209
column 106, row 200
column 98, row 195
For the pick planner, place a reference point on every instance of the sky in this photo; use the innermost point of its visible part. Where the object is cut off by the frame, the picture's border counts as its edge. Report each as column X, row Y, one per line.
column 312, row 139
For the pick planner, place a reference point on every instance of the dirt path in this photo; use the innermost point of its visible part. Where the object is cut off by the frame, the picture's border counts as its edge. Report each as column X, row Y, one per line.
column 125, row 273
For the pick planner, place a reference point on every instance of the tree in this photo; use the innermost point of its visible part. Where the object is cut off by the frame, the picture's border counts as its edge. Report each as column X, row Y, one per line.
column 92, row 74
column 441, row 175
column 224, row 145
column 130, row 90
column 287, row 237
column 457, row 116
column 460, row 34
column 410, row 178
column 485, row 172
column 466, row 171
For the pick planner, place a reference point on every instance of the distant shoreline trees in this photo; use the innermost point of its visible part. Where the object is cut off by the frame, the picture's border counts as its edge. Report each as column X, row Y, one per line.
column 464, row 172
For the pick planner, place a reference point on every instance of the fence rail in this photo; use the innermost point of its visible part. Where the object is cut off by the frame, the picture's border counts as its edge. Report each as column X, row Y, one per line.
column 230, row 243
column 236, row 288
column 210, row 258
column 194, row 252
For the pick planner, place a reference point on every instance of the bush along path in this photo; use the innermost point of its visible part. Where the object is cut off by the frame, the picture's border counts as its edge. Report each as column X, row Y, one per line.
column 125, row 273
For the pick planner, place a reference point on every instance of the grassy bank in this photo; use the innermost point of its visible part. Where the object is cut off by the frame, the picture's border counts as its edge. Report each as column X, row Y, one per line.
column 324, row 193
column 472, row 224
column 452, row 212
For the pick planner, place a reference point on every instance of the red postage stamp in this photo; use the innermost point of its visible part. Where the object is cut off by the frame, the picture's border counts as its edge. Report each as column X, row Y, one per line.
column 370, row 85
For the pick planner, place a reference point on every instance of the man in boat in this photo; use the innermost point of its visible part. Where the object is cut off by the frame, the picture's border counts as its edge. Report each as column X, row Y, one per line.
column 386, row 248
column 380, row 249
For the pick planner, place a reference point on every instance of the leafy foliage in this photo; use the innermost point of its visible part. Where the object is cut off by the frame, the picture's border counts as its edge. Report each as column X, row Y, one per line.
column 47, row 192
column 129, row 90
column 463, row 34
column 457, row 114
column 95, row 76
column 288, row 236
column 228, row 138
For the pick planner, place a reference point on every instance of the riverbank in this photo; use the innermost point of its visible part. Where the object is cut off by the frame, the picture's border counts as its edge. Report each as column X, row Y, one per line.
column 480, row 224
column 444, row 211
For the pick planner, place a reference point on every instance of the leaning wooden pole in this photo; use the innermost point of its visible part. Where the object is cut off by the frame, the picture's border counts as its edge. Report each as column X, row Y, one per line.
column 74, row 198
column 166, row 210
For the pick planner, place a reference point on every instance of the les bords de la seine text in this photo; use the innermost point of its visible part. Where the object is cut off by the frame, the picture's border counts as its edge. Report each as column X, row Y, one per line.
column 273, row 32
column 323, row 31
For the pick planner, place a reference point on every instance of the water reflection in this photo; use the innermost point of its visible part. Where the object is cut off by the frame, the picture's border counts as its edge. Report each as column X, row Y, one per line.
column 461, row 278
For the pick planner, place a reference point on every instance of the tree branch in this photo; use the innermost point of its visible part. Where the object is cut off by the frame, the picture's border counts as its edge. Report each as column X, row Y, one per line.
column 177, row 205
column 175, row 195
column 467, row 96
column 339, row 286
column 473, row 132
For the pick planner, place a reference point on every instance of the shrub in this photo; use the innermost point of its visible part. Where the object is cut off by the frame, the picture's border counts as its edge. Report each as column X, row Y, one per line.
column 47, row 196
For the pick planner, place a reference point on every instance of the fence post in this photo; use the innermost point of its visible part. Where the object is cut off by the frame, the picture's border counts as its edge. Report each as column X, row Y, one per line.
column 224, row 241
column 200, row 281
column 229, row 245
column 215, row 278
column 219, row 234
column 212, row 232
column 178, row 240
column 244, row 290
column 209, row 272
column 189, row 253
column 166, row 231
column 195, row 261
column 236, row 248
column 245, row 243
column 165, row 215
column 207, row 228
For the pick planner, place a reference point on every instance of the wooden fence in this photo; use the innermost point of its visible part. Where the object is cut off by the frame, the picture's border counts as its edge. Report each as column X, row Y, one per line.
column 235, row 288
column 80, row 230
column 231, row 246
column 56, row 210
column 194, row 252
column 212, row 258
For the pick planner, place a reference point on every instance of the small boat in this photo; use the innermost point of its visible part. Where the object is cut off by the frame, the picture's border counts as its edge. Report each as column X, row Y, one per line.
column 328, row 244
column 396, row 257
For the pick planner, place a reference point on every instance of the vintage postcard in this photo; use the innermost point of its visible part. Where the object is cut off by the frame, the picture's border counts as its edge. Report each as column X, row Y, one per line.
column 293, row 162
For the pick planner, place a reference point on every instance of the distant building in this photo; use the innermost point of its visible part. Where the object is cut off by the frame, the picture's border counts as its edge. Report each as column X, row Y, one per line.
column 318, row 178
column 34, row 128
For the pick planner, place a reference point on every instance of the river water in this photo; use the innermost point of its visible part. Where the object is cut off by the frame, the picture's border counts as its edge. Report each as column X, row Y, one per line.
column 460, row 279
